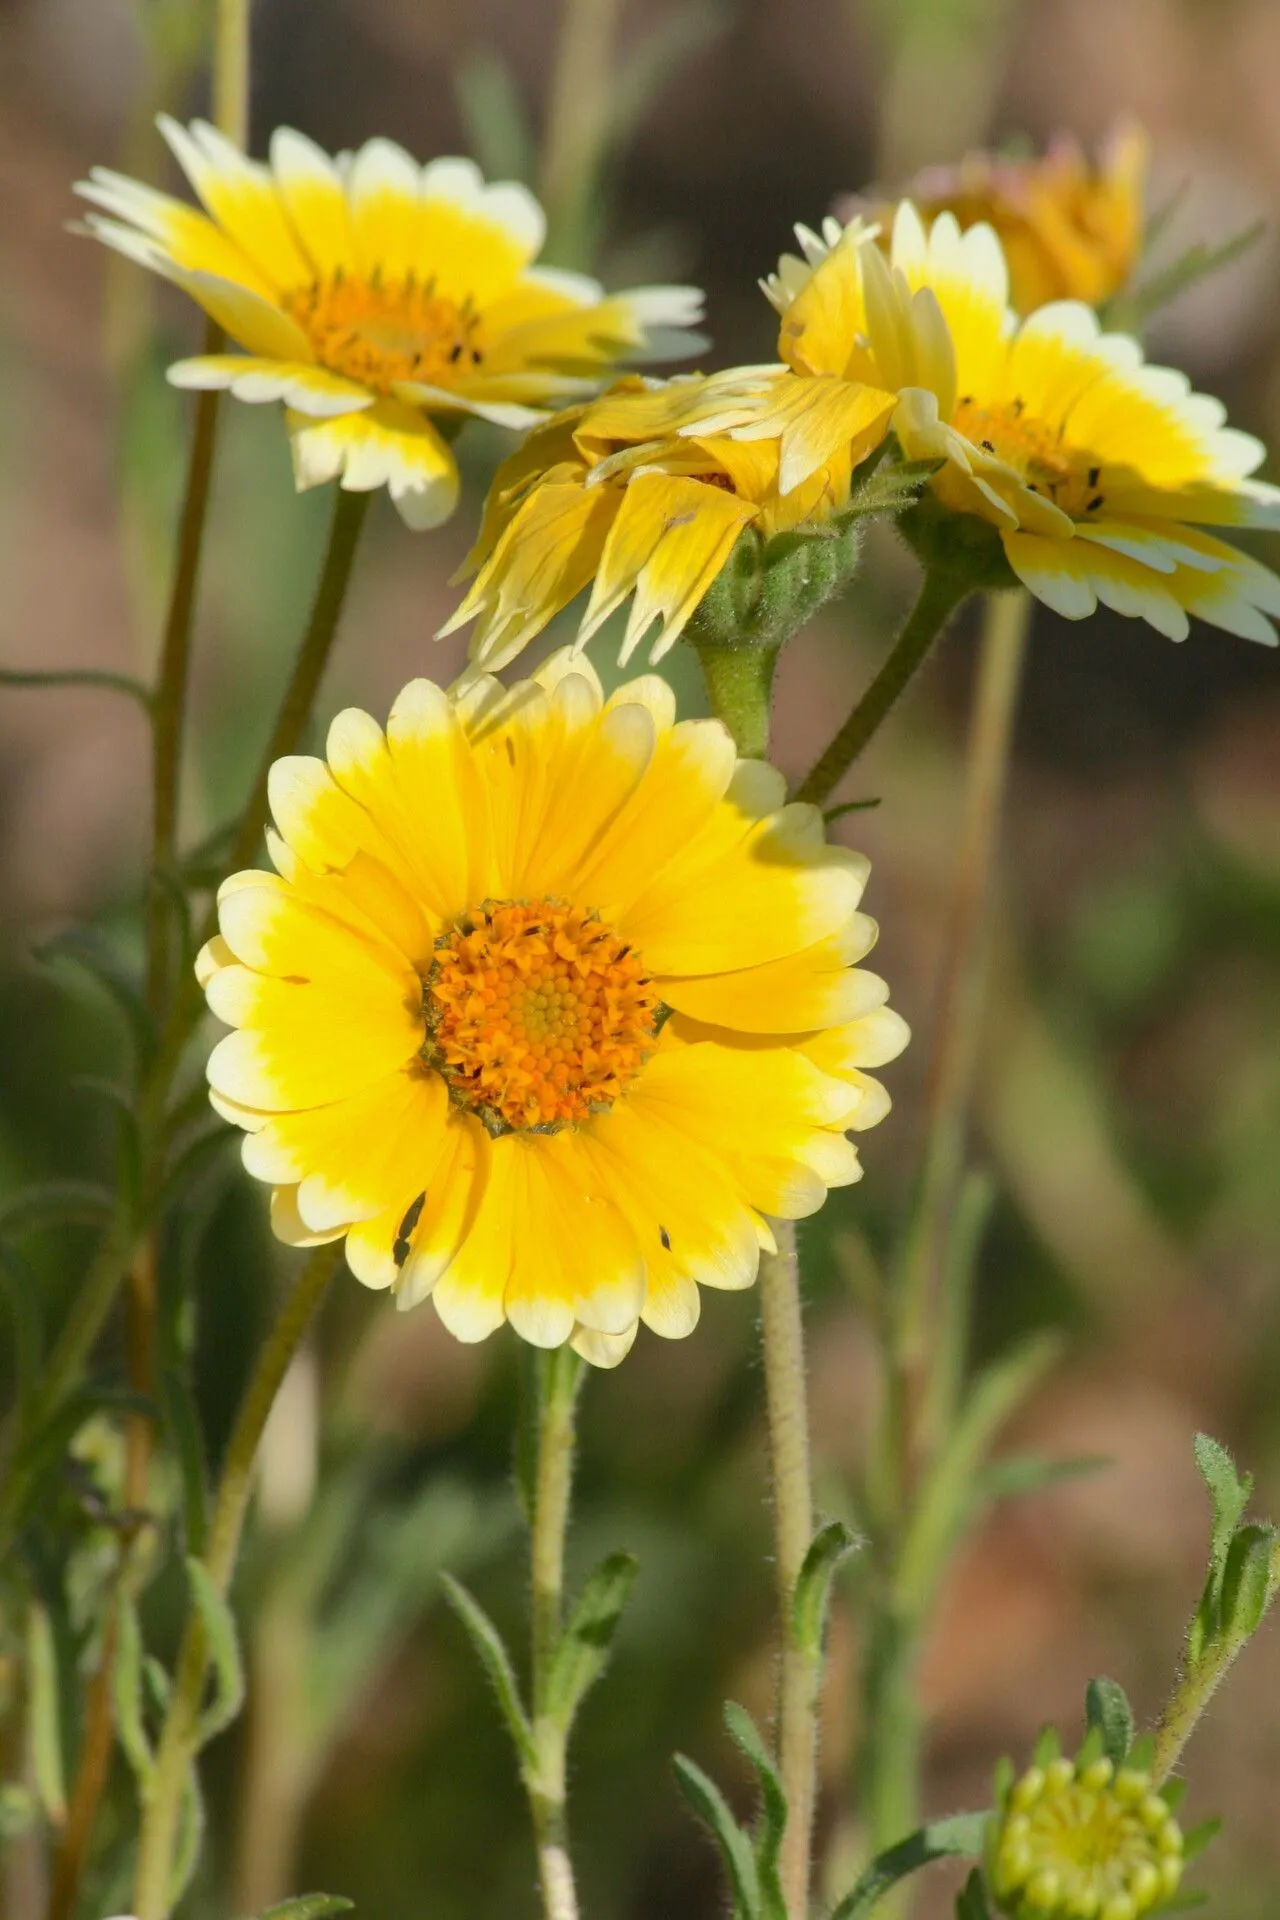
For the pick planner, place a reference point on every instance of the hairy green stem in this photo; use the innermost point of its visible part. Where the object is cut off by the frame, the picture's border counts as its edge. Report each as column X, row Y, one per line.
column 179, row 1740
column 1197, row 1686
column 740, row 688
column 940, row 595
column 800, row 1669
column 559, row 1373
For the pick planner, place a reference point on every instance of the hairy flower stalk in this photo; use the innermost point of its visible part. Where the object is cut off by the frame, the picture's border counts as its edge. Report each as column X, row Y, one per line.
column 559, row 1376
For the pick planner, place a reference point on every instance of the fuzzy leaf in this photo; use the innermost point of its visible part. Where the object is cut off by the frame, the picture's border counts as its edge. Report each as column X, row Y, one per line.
column 1227, row 1490
column 307, row 1906
column 587, row 1637
column 711, row 1807
column 830, row 1545
column 1246, row 1581
column 224, row 1651
column 44, row 1709
column 1107, row 1709
column 971, row 1901
column 127, row 1691
column 963, row 1833
column 773, row 1808
column 496, row 1661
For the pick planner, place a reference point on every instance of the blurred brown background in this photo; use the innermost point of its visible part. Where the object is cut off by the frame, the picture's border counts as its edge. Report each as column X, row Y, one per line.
column 1130, row 1082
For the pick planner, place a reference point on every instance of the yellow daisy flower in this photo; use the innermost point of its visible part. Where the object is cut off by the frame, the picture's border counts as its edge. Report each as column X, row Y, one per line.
column 371, row 294
column 1070, row 229
column 1096, row 471
column 549, row 1003
column 640, row 494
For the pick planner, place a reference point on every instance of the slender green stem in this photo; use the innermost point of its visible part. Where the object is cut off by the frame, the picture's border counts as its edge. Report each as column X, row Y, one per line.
column 559, row 1376
column 740, row 689
column 577, row 122
column 179, row 1739
column 800, row 1670
column 231, row 70
column 960, row 991
column 940, row 595
column 79, row 677
column 1196, row 1688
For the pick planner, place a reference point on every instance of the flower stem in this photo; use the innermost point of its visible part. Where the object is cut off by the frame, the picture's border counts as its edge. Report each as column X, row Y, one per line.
column 577, row 122
column 740, row 688
column 179, row 1740
column 800, row 1672
column 940, row 595
column 231, row 70
column 559, row 1374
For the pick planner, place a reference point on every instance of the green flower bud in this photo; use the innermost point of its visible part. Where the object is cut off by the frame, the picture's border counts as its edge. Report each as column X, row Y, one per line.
column 1079, row 1840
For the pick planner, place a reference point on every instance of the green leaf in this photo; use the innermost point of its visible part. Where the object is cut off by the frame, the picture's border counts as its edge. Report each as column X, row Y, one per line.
column 745, row 1734
column 971, row 1901
column 194, row 1160
column 848, row 806
column 1106, row 1707
column 963, row 1833
column 893, row 486
column 80, row 677
column 1142, row 1753
column 830, row 1545
column 224, row 1652
column 493, row 116
column 1019, row 1474
column 127, row 1692
column 1048, row 1746
column 1227, row 1490
column 44, row 1711
column 1196, row 264
column 496, row 1662
column 186, row 1853
column 1246, row 1581
column 42, row 1451
column 54, row 1203
column 1197, row 1838
column 307, row 1906
column 87, row 950
column 681, row 33
column 711, row 1807
column 22, row 1294
column 182, row 1424
column 587, row 1637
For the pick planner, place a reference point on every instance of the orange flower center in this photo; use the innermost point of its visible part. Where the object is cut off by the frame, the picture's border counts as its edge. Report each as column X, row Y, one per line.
column 537, row 1014
column 1064, row 474
column 379, row 331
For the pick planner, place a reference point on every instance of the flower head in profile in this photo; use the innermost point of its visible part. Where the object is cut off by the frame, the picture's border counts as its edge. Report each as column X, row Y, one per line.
column 549, row 1003
column 1091, row 474
column 1071, row 228
column 647, row 492
column 373, row 296
column 1081, row 1837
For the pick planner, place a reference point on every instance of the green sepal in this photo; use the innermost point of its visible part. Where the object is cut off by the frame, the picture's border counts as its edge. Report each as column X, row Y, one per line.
column 587, row 1636
column 1173, row 1792
column 744, row 1733
column 223, row 1639
column 888, row 486
column 496, row 1661
column 711, row 1807
column 1203, row 1834
column 962, row 1833
column 1108, row 1713
column 960, row 546
column 1048, row 1746
column 831, row 1544
column 1142, row 1754
column 971, row 1901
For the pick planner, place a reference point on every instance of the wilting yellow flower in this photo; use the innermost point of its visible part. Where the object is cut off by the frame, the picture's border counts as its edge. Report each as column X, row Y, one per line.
column 1078, row 1837
column 1071, row 230
column 370, row 294
column 548, row 1005
column 643, row 492
column 1095, row 470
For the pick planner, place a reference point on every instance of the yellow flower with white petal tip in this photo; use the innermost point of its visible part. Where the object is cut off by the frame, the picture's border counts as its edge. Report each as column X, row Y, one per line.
column 1093, row 470
column 645, row 494
column 550, row 1002
column 1071, row 228
column 371, row 295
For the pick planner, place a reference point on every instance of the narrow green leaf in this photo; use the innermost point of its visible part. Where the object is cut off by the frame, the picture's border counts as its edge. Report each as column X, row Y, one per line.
column 494, row 118
column 54, row 1203
column 182, row 1423
column 587, row 1637
column 971, row 1901
column 224, row 1652
column 194, row 1160
column 893, row 486
column 1142, row 1753
column 308, row 1906
column 80, row 677
column 94, row 956
column 1198, row 263
column 1197, row 1838
column 681, row 33
column 22, row 1295
column 1227, row 1490
column 711, row 1807
column 1173, row 1792
column 849, row 806
column 773, row 1808
column 1048, row 1746
column 963, row 1833
column 1246, row 1581
column 496, row 1662
column 44, row 1714
column 831, row 1544
column 1106, row 1707
column 186, row 1854
column 1019, row 1474
column 127, row 1690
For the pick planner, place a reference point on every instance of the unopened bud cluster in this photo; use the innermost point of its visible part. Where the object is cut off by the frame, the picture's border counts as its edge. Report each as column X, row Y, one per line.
column 1083, row 1840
